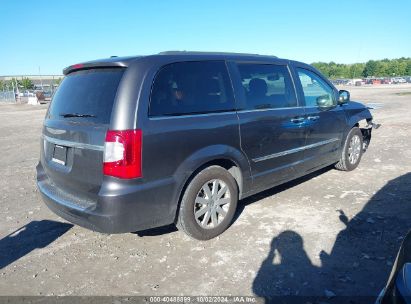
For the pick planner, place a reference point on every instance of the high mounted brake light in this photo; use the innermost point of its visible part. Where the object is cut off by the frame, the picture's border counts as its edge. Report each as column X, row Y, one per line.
column 122, row 154
column 77, row 66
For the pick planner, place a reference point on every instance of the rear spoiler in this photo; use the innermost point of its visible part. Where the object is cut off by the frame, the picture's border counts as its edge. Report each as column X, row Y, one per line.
column 93, row 65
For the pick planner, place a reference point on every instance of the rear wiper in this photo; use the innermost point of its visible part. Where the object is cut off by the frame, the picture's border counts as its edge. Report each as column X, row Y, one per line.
column 66, row 115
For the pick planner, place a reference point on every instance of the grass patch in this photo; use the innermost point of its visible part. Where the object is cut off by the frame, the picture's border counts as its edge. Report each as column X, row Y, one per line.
column 403, row 93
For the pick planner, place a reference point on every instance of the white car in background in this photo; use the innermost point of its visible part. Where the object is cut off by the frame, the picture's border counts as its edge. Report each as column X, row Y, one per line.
column 26, row 93
column 398, row 80
column 355, row 81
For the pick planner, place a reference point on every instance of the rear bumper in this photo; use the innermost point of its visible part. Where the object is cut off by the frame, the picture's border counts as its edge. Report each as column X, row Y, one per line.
column 121, row 206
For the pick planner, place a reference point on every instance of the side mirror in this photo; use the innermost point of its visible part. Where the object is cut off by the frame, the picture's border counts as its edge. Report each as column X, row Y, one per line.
column 398, row 287
column 344, row 96
column 403, row 282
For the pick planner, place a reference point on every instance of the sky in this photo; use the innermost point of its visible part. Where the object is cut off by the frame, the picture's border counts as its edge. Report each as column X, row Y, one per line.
column 46, row 36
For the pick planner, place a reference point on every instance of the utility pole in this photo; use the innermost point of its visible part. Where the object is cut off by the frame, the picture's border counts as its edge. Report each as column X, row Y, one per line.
column 17, row 86
column 41, row 80
column 14, row 93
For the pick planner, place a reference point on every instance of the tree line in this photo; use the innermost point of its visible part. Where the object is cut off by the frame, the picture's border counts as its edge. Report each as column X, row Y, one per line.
column 372, row 68
column 24, row 83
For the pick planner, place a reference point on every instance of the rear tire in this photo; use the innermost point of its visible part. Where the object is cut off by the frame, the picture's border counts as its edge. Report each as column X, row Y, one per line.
column 352, row 151
column 208, row 204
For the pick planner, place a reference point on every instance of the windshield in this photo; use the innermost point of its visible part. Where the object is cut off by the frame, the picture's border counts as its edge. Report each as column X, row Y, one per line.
column 86, row 95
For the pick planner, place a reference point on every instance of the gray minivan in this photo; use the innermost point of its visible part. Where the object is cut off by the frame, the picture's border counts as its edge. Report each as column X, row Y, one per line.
column 131, row 143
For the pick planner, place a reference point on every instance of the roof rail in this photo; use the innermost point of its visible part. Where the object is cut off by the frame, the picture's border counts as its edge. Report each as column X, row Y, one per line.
column 209, row 53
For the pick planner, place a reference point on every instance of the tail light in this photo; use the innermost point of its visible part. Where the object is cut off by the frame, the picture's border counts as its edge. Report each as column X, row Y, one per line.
column 122, row 153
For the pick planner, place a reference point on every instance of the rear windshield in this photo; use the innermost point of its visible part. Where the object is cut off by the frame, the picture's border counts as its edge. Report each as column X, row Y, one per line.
column 86, row 95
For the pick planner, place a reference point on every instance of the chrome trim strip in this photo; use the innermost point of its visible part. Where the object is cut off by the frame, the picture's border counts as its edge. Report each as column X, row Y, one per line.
column 226, row 112
column 191, row 115
column 72, row 144
column 269, row 109
column 273, row 109
column 295, row 150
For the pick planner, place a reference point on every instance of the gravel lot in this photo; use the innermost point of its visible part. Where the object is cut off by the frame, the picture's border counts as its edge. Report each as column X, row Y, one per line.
column 329, row 233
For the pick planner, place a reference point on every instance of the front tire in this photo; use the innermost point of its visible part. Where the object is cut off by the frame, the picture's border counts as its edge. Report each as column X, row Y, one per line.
column 352, row 151
column 208, row 204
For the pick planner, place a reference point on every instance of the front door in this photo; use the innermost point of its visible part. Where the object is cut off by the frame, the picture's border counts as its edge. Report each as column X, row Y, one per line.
column 324, row 124
column 271, row 121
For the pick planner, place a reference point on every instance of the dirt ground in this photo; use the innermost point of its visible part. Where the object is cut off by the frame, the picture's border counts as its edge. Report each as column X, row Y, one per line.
column 328, row 233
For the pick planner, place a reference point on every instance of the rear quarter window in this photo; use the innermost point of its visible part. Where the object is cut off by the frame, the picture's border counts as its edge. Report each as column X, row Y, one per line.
column 88, row 92
column 191, row 88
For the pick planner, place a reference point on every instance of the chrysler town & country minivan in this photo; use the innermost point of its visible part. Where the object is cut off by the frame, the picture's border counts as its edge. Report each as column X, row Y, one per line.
column 132, row 143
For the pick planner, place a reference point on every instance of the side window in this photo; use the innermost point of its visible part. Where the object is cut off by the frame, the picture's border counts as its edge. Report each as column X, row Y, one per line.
column 267, row 86
column 191, row 88
column 315, row 89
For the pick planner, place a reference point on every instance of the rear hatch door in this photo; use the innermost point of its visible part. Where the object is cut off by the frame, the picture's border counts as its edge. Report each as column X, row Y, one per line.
column 74, row 131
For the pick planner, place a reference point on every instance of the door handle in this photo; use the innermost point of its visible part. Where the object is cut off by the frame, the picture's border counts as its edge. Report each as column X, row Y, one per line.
column 297, row 119
column 313, row 117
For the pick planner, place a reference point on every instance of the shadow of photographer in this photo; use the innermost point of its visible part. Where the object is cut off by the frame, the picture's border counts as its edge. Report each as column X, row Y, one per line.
column 360, row 260
column 36, row 234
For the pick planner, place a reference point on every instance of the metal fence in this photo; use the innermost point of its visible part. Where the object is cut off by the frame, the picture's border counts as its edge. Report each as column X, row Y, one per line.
column 7, row 96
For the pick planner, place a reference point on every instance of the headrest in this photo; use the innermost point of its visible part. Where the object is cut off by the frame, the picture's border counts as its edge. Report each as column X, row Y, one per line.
column 257, row 86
